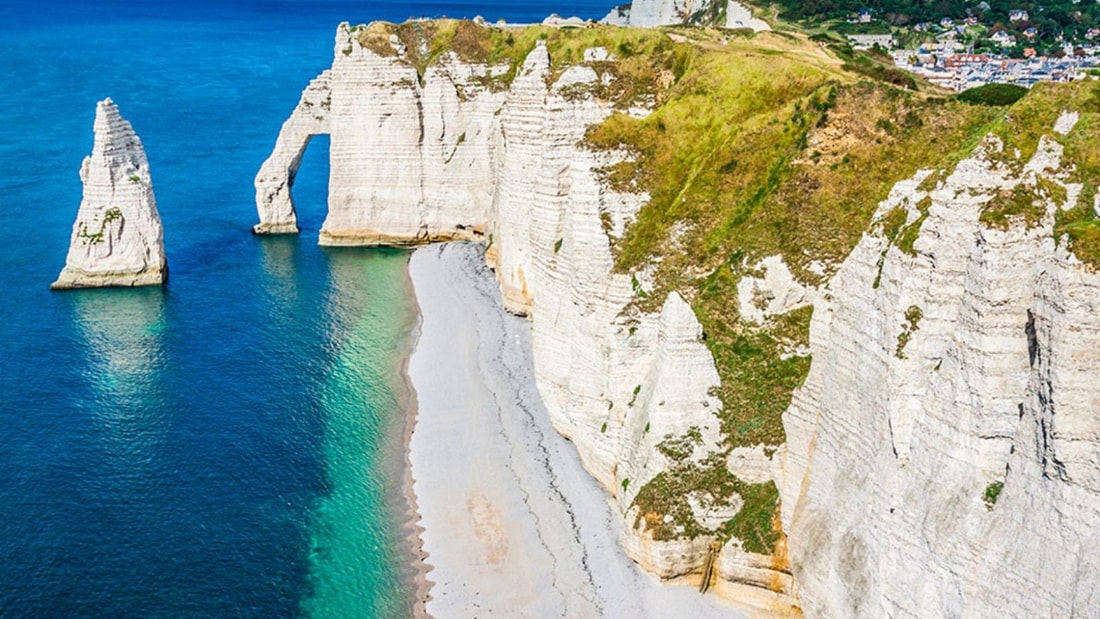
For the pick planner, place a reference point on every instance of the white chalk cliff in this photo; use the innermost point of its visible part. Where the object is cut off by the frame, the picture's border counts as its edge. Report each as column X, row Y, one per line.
column 911, row 420
column 936, row 377
column 652, row 13
column 117, row 239
column 444, row 156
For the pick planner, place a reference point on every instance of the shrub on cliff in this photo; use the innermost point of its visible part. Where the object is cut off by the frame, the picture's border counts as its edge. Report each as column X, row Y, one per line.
column 993, row 94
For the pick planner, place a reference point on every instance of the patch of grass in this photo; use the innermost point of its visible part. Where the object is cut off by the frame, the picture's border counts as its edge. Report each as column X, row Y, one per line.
column 679, row 448
column 758, row 373
column 647, row 60
column 95, row 238
column 754, row 524
column 913, row 317
column 1081, row 227
column 908, row 235
column 1033, row 117
column 1021, row 204
column 666, row 495
column 1082, row 152
column 892, row 222
column 992, row 493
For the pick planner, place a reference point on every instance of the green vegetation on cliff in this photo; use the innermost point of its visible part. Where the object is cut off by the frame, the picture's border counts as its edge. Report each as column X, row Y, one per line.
column 1021, row 128
column 644, row 59
column 770, row 146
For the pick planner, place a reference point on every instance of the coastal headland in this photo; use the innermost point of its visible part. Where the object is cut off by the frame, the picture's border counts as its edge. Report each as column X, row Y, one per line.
column 821, row 333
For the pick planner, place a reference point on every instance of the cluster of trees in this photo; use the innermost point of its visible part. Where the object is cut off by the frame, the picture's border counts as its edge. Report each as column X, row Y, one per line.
column 1049, row 18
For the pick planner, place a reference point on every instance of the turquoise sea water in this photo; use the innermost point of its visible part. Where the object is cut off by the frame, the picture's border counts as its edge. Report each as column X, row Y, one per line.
column 229, row 445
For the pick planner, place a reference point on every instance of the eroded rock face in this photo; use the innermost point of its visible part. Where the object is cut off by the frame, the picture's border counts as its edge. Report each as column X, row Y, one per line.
column 117, row 239
column 739, row 15
column 652, row 13
column 938, row 377
column 452, row 154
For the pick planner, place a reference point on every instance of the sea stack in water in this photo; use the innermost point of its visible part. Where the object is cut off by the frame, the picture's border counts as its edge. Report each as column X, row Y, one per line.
column 117, row 238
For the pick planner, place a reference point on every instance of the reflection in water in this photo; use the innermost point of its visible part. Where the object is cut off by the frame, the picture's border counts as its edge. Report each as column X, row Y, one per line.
column 278, row 257
column 123, row 332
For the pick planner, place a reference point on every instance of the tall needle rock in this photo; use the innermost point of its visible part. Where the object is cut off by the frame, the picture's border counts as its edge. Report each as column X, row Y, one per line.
column 117, row 238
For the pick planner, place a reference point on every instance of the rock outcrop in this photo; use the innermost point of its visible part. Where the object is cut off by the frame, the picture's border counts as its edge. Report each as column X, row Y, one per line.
column 446, row 154
column 117, row 239
column 739, row 15
column 652, row 13
column 943, row 456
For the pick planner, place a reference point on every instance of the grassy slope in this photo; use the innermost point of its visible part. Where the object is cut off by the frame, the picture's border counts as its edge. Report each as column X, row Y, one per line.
column 767, row 147
column 760, row 146
column 764, row 146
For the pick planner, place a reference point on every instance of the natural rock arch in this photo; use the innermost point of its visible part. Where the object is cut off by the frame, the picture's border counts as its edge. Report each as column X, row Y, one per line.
column 276, row 177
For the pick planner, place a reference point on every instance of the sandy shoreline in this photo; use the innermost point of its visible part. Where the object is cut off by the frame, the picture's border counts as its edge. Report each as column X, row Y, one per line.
column 509, row 522
column 420, row 582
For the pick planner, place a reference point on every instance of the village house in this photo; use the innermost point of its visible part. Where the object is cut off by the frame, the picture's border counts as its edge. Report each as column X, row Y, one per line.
column 962, row 60
column 1003, row 39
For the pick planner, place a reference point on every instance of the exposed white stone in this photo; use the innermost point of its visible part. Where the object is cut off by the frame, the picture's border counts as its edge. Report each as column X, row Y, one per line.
column 618, row 16
column 891, row 446
column 276, row 176
column 596, row 54
column 1066, row 122
column 651, row 13
column 751, row 464
column 710, row 513
column 740, row 16
column 117, row 239
column 575, row 75
column 775, row 292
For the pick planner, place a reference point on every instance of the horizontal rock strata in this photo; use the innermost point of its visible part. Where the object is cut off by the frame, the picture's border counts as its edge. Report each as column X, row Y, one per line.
column 943, row 457
column 117, row 239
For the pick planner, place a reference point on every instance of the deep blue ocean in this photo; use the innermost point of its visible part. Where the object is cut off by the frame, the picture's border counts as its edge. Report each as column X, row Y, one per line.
column 229, row 445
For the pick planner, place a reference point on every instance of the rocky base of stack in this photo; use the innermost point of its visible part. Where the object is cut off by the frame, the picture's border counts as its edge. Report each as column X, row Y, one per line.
column 266, row 228
column 71, row 279
column 374, row 238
